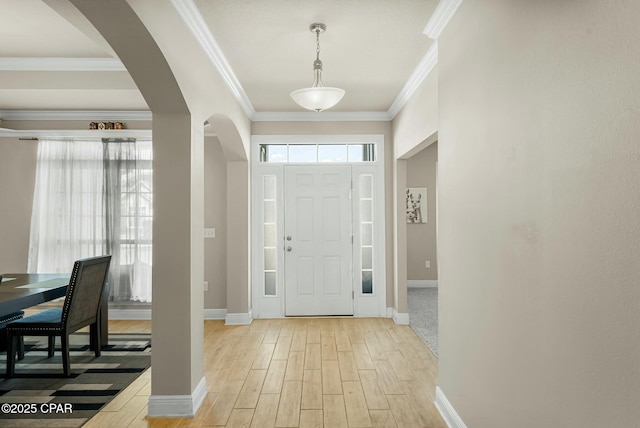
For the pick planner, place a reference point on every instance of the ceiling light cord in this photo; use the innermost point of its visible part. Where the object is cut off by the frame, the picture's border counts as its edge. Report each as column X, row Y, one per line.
column 317, row 64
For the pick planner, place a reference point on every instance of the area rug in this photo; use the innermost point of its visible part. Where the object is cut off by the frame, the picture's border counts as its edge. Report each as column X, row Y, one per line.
column 423, row 315
column 40, row 396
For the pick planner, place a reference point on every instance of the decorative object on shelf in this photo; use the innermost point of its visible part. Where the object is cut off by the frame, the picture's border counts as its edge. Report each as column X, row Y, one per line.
column 416, row 200
column 318, row 97
column 106, row 125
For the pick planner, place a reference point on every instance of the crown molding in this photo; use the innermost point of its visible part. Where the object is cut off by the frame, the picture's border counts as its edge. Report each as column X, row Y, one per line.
column 92, row 115
column 61, row 64
column 193, row 18
column 324, row 116
column 424, row 67
column 74, row 133
column 441, row 17
column 190, row 14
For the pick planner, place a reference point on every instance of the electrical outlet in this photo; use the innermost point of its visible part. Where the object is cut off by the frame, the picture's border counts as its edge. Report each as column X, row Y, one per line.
column 206, row 286
column 427, row 264
column 210, row 232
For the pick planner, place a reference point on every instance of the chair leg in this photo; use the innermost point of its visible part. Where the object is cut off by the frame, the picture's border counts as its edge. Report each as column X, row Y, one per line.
column 12, row 341
column 52, row 346
column 64, row 339
column 95, row 340
column 20, row 347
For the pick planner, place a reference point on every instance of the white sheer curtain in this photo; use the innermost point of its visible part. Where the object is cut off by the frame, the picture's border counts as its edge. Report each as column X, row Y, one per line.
column 128, row 207
column 94, row 198
column 67, row 221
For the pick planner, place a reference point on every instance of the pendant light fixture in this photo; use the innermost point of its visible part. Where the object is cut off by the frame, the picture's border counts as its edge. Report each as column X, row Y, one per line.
column 318, row 97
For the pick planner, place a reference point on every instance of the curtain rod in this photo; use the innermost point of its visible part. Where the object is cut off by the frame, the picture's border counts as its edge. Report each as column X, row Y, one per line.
column 104, row 140
column 118, row 140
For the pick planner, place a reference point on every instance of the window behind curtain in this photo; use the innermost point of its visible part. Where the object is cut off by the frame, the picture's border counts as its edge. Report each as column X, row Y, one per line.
column 129, row 212
column 93, row 198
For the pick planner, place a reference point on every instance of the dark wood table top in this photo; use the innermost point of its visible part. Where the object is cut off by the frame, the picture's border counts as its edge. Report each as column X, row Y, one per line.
column 14, row 296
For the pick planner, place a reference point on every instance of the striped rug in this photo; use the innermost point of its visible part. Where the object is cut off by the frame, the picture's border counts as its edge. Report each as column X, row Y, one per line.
column 40, row 396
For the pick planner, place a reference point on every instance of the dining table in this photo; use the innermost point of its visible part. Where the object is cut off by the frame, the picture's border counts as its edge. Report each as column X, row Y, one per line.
column 19, row 291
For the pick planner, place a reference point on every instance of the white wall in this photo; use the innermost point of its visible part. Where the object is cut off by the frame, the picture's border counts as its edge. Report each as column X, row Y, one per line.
column 414, row 128
column 418, row 119
column 539, row 233
column 17, row 181
column 215, row 216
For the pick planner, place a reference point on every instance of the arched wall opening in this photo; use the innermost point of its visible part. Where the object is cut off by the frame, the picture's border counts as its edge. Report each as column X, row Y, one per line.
column 235, row 197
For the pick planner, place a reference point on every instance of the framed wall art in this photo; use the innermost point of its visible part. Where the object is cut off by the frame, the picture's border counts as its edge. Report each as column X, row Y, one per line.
column 416, row 205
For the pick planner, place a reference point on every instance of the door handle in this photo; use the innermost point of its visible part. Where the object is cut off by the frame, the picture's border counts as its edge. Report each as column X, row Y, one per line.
column 289, row 249
column 289, row 238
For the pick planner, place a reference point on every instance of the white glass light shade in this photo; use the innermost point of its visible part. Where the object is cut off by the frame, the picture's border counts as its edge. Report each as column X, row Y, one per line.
column 317, row 98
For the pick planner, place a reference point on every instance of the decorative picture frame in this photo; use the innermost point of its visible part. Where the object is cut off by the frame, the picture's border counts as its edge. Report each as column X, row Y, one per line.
column 416, row 203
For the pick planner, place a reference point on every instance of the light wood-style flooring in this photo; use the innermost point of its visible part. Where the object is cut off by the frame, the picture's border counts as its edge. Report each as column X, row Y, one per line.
column 300, row 372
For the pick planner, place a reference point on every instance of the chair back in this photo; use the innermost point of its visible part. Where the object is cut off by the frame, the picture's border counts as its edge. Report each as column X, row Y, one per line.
column 82, row 302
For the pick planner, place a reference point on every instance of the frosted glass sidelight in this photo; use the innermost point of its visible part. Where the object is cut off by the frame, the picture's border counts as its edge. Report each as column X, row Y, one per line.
column 269, row 235
column 366, row 186
column 367, row 282
column 367, row 258
column 366, row 231
column 269, row 215
column 269, row 283
column 366, row 211
column 365, row 189
column 269, row 187
column 269, row 259
column 270, row 211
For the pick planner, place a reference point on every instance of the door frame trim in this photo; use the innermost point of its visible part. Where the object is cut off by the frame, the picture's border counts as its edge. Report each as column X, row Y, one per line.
column 371, row 305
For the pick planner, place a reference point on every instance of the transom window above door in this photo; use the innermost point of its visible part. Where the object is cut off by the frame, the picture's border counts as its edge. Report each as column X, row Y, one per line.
column 317, row 153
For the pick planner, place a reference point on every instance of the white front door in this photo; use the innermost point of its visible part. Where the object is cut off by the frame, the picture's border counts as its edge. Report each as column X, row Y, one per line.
column 318, row 240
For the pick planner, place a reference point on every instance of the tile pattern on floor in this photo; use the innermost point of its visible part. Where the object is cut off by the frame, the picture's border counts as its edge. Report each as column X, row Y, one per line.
column 302, row 372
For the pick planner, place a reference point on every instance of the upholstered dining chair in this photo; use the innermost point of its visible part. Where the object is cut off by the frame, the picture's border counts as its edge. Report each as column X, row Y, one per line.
column 80, row 309
column 3, row 332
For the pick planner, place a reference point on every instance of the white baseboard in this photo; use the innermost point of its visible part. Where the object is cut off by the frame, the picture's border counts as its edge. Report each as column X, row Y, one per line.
column 199, row 395
column 389, row 312
column 178, row 406
column 400, row 318
column 145, row 314
column 215, row 314
column 422, row 283
column 129, row 314
column 238, row 319
column 447, row 411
